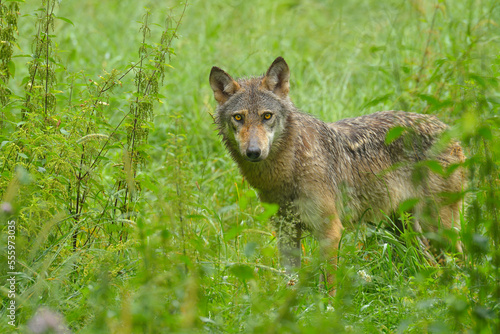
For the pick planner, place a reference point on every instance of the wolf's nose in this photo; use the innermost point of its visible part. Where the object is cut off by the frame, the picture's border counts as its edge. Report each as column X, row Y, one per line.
column 253, row 153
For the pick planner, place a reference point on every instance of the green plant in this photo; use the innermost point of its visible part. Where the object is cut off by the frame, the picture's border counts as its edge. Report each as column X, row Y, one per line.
column 132, row 218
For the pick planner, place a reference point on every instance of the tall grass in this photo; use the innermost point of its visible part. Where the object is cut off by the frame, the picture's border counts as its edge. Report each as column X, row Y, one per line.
column 132, row 217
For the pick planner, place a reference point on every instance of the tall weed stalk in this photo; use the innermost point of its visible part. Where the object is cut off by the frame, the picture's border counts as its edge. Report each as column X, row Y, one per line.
column 69, row 174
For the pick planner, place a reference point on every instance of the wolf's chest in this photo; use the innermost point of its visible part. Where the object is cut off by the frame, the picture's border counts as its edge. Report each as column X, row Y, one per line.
column 273, row 179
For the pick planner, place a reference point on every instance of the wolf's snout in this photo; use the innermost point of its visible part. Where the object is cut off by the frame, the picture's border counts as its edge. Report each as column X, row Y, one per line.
column 253, row 153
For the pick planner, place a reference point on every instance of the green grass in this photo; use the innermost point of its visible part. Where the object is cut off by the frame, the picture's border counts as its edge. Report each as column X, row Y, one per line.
column 194, row 251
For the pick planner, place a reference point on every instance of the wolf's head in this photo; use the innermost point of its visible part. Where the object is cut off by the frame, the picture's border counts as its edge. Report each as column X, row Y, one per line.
column 252, row 112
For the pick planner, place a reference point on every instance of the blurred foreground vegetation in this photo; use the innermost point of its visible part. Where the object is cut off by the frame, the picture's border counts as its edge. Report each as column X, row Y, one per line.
column 131, row 217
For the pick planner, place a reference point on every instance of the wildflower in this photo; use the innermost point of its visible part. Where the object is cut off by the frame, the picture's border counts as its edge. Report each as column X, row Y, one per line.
column 367, row 278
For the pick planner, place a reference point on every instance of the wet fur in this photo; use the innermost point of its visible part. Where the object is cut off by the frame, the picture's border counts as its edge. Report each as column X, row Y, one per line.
column 332, row 174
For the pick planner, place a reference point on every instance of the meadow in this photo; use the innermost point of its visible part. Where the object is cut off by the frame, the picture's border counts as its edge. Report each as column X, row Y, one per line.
column 129, row 215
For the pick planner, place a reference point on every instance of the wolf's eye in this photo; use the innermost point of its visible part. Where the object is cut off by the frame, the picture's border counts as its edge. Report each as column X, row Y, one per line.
column 237, row 117
column 268, row 115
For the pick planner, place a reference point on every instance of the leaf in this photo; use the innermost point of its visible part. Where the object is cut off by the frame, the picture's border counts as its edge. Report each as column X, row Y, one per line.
column 429, row 99
column 241, row 271
column 441, row 61
column 146, row 183
column 22, row 56
column 12, row 68
column 245, row 199
column 377, row 100
column 408, row 204
column 25, row 80
column 5, row 142
column 493, row 99
column 484, row 313
column 186, row 260
column 196, row 217
column 485, row 132
column 377, row 48
column 250, row 249
column 64, row 19
column 269, row 211
column 435, row 166
column 207, row 320
column 481, row 242
column 484, row 81
column 394, row 134
column 233, row 232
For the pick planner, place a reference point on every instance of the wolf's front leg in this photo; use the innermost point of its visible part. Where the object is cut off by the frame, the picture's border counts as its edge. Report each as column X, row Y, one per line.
column 289, row 234
column 289, row 247
column 288, row 230
column 329, row 245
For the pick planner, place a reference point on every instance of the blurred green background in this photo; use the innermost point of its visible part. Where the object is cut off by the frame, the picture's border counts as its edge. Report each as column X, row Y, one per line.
column 198, row 253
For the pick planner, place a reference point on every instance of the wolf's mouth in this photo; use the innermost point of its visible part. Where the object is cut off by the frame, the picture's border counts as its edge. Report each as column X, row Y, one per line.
column 257, row 159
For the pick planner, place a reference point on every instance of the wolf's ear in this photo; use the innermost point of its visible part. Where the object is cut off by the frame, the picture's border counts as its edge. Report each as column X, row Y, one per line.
column 222, row 84
column 277, row 78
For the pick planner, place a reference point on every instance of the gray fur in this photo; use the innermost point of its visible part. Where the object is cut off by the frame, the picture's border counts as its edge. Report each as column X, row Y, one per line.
column 333, row 174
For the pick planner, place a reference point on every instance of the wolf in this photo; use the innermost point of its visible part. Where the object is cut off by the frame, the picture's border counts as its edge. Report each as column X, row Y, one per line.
column 324, row 176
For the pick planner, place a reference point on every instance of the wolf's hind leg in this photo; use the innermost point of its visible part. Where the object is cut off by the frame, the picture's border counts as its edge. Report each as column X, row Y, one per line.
column 424, row 243
column 450, row 220
column 434, row 218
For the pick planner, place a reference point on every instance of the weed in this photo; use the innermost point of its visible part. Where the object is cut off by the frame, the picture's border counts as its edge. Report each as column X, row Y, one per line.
column 132, row 218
